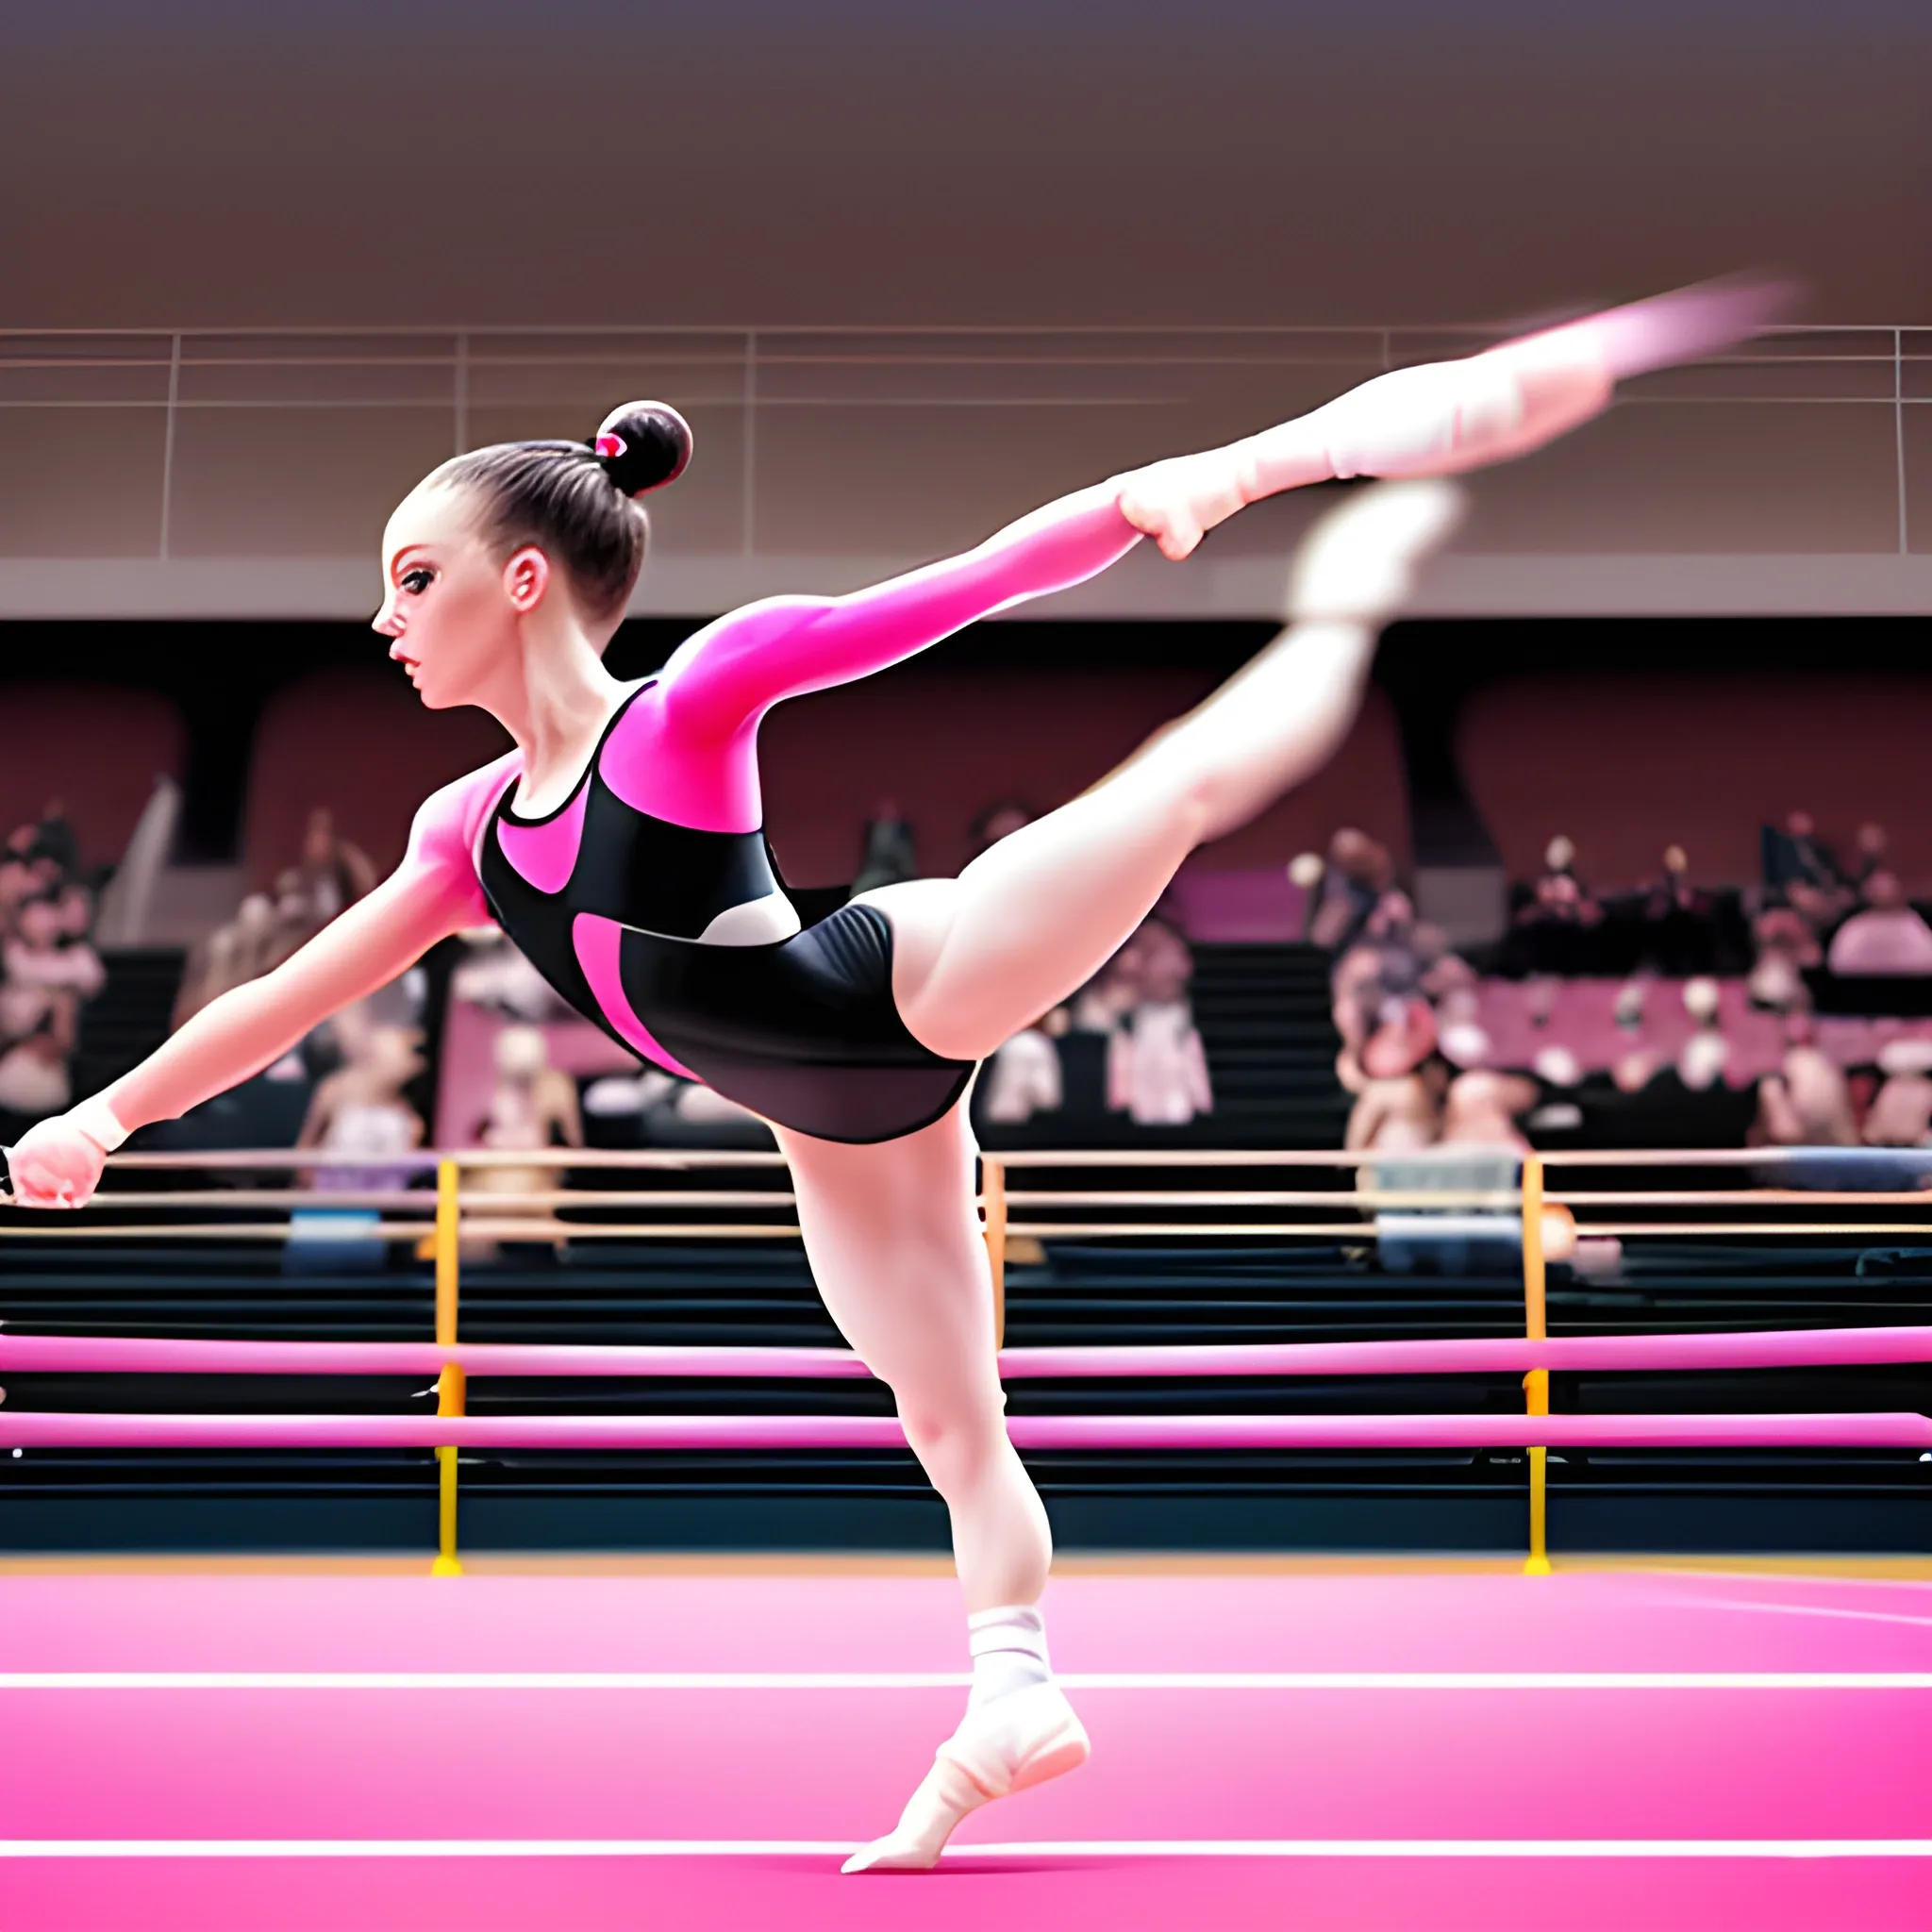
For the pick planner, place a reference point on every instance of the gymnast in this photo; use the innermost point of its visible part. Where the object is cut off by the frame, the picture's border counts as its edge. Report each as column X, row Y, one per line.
column 621, row 845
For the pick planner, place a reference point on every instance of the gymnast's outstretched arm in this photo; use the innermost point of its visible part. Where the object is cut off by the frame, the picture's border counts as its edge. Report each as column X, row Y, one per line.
column 431, row 895
column 1434, row 418
column 736, row 668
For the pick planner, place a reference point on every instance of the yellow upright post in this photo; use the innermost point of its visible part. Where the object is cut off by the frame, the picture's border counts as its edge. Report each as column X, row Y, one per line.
column 448, row 1212
column 1536, row 1384
column 450, row 1384
column 994, row 1199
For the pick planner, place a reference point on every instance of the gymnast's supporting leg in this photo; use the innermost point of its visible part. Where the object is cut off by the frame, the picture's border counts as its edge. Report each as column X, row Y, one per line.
column 890, row 1229
column 895, row 1247
column 976, row 958
column 894, row 1239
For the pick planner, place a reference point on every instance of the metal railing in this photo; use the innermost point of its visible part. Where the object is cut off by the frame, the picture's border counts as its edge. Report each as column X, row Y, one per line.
column 440, row 1226
column 757, row 370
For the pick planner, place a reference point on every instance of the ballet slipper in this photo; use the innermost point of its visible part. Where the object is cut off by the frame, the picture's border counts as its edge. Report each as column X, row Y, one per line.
column 1357, row 565
column 1006, row 1746
column 1440, row 419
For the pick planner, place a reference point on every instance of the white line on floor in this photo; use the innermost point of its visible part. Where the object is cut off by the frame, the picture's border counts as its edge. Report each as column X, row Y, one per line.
column 890, row 1680
column 1065, row 1849
column 1809, row 1610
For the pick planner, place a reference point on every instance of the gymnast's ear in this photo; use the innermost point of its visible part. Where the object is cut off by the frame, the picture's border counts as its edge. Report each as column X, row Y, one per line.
column 525, row 579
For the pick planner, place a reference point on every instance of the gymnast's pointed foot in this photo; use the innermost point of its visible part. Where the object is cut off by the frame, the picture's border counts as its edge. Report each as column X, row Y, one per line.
column 1439, row 418
column 1359, row 564
column 1004, row 1746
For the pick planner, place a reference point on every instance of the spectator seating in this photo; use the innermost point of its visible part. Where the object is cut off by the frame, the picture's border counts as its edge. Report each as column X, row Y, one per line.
column 1627, row 765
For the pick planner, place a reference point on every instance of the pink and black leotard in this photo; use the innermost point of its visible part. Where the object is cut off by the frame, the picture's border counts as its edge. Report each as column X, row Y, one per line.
column 649, row 900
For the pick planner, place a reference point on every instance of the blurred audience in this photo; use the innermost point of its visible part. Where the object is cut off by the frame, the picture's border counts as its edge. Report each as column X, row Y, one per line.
column 1679, row 921
column 1024, row 1076
column 1553, row 927
column 1482, row 1109
column 888, row 859
column 1800, row 869
column 1787, row 947
column 1397, row 1081
column 1353, row 882
column 1887, row 937
column 1707, row 1054
column 361, row 1109
column 1900, row 1111
column 497, row 977
column 1000, row 820
column 1126, row 1044
column 1806, row 1103
column 330, row 875
column 1157, row 1068
column 534, row 1108
column 48, row 967
column 332, row 871
column 1871, row 846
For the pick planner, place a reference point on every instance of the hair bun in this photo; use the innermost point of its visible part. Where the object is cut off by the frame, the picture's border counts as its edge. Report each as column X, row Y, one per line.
column 643, row 446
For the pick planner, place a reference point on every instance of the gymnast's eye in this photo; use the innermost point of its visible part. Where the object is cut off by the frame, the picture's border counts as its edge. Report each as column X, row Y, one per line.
column 418, row 580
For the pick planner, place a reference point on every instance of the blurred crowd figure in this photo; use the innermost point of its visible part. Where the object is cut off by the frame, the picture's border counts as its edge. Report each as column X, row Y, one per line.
column 495, row 976
column 1806, row 1102
column 1353, row 892
column 331, row 873
column 888, row 858
column 1885, row 937
column 534, row 1108
column 1157, row 1067
column 998, row 821
column 1124, row 1045
column 49, row 969
column 360, row 1110
column 1900, row 1114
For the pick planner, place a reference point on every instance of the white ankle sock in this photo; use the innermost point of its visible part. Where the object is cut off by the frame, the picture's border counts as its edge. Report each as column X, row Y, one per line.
column 1008, row 1647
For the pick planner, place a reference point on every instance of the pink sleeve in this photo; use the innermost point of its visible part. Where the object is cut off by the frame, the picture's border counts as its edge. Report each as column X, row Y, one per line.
column 727, row 674
column 441, row 854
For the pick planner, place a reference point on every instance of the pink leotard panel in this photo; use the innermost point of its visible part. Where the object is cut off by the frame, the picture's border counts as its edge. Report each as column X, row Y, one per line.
column 546, row 853
column 598, row 943
column 686, row 749
column 442, row 838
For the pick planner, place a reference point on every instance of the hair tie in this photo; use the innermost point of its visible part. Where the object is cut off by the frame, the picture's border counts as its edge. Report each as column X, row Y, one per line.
column 609, row 446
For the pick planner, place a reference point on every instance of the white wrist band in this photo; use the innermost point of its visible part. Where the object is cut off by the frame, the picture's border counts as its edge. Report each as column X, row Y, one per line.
column 95, row 1119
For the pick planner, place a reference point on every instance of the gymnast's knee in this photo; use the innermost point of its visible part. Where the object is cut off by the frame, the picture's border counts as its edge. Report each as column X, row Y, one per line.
column 956, row 1444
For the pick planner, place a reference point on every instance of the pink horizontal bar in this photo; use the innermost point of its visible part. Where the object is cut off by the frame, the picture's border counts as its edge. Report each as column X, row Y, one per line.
column 1785, row 1348
column 142, row 1354
column 30, row 1430
column 1501, row 1355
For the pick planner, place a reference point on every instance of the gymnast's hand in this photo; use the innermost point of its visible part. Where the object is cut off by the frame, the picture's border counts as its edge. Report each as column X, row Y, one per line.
column 1179, row 501
column 56, row 1164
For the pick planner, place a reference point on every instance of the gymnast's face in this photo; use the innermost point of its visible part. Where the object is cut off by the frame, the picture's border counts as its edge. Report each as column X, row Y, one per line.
column 451, row 606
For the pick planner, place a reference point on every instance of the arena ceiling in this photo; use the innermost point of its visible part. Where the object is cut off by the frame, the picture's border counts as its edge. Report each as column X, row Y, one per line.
column 231, row 162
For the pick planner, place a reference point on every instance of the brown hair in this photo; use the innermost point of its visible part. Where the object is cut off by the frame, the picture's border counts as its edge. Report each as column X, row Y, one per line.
column 576, row 501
